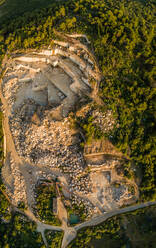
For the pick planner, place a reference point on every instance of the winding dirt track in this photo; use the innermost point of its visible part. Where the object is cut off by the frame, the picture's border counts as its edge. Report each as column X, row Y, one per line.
column 97, row 220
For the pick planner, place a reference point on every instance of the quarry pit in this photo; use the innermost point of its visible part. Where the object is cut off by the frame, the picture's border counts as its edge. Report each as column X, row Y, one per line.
column 39, row 90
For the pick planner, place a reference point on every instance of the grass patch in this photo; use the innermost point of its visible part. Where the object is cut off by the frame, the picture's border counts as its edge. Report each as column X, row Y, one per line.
column 20, row 232
column 135, row 230
column 78, row 210
column 54, row 238
column 44, row 204
column 4, row 208
column 13, row 8
column 2, row 1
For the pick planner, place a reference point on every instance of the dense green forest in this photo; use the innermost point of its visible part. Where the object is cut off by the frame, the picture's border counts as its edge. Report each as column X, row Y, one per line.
column 2, row 2
column 12, row 8
column 134, row 230
column 19, row 232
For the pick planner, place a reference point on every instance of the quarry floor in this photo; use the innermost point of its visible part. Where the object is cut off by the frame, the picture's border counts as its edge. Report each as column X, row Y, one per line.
column 97, row 175
column 69, row 232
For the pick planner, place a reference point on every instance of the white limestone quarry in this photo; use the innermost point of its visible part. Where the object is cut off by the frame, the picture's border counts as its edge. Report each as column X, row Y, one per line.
column 39, row 89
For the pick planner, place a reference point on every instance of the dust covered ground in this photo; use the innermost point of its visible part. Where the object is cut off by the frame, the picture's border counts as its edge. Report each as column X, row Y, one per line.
column 39, row 90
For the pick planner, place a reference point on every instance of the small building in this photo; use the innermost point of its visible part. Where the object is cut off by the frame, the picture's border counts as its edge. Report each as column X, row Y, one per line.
column 55, row 209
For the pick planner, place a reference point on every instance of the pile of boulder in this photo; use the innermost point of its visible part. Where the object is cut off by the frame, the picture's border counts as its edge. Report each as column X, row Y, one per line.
column 105, row 121
column 50, row 144
column 19, row 191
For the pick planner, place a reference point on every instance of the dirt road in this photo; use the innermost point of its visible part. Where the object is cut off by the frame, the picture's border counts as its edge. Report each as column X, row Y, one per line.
column 70, row 235
column 97, row 220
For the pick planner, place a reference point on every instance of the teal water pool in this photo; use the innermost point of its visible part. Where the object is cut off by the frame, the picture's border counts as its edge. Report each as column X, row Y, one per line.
column 74, row 219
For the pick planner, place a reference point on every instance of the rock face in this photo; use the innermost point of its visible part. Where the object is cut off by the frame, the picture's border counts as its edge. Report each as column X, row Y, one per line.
column 56, row 77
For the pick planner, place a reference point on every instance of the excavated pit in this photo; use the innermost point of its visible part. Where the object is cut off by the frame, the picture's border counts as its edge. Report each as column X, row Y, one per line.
column 41, row 88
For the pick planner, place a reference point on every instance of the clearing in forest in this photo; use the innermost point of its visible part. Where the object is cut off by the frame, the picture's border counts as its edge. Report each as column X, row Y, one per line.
column 39, row 90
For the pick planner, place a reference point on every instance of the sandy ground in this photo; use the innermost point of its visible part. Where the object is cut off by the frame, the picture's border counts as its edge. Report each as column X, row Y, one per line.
column 62, row 213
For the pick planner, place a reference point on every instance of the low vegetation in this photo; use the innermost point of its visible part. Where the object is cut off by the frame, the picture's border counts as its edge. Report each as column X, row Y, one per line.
column 78, row 211
column 44, row 204
column 1, row 2
column 53, row 238
column 89, row 129
column 4, row 204
column 19, row 232
column 5, row 213
column 1, row 140
column 136, row 229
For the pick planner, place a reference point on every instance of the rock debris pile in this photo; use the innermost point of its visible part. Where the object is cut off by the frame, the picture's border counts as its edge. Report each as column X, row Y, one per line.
column 10, row 89
column 19, row 192
column 119, row 192
column 41, row 88
column 105, row 121
column 88, row 208
column 50, row 144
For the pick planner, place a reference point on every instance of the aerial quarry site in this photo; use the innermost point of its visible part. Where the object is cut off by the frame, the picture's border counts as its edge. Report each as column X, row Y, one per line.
column 39, row 91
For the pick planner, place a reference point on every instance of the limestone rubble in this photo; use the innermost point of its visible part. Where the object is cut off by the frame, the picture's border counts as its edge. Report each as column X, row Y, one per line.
column 41, row 88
